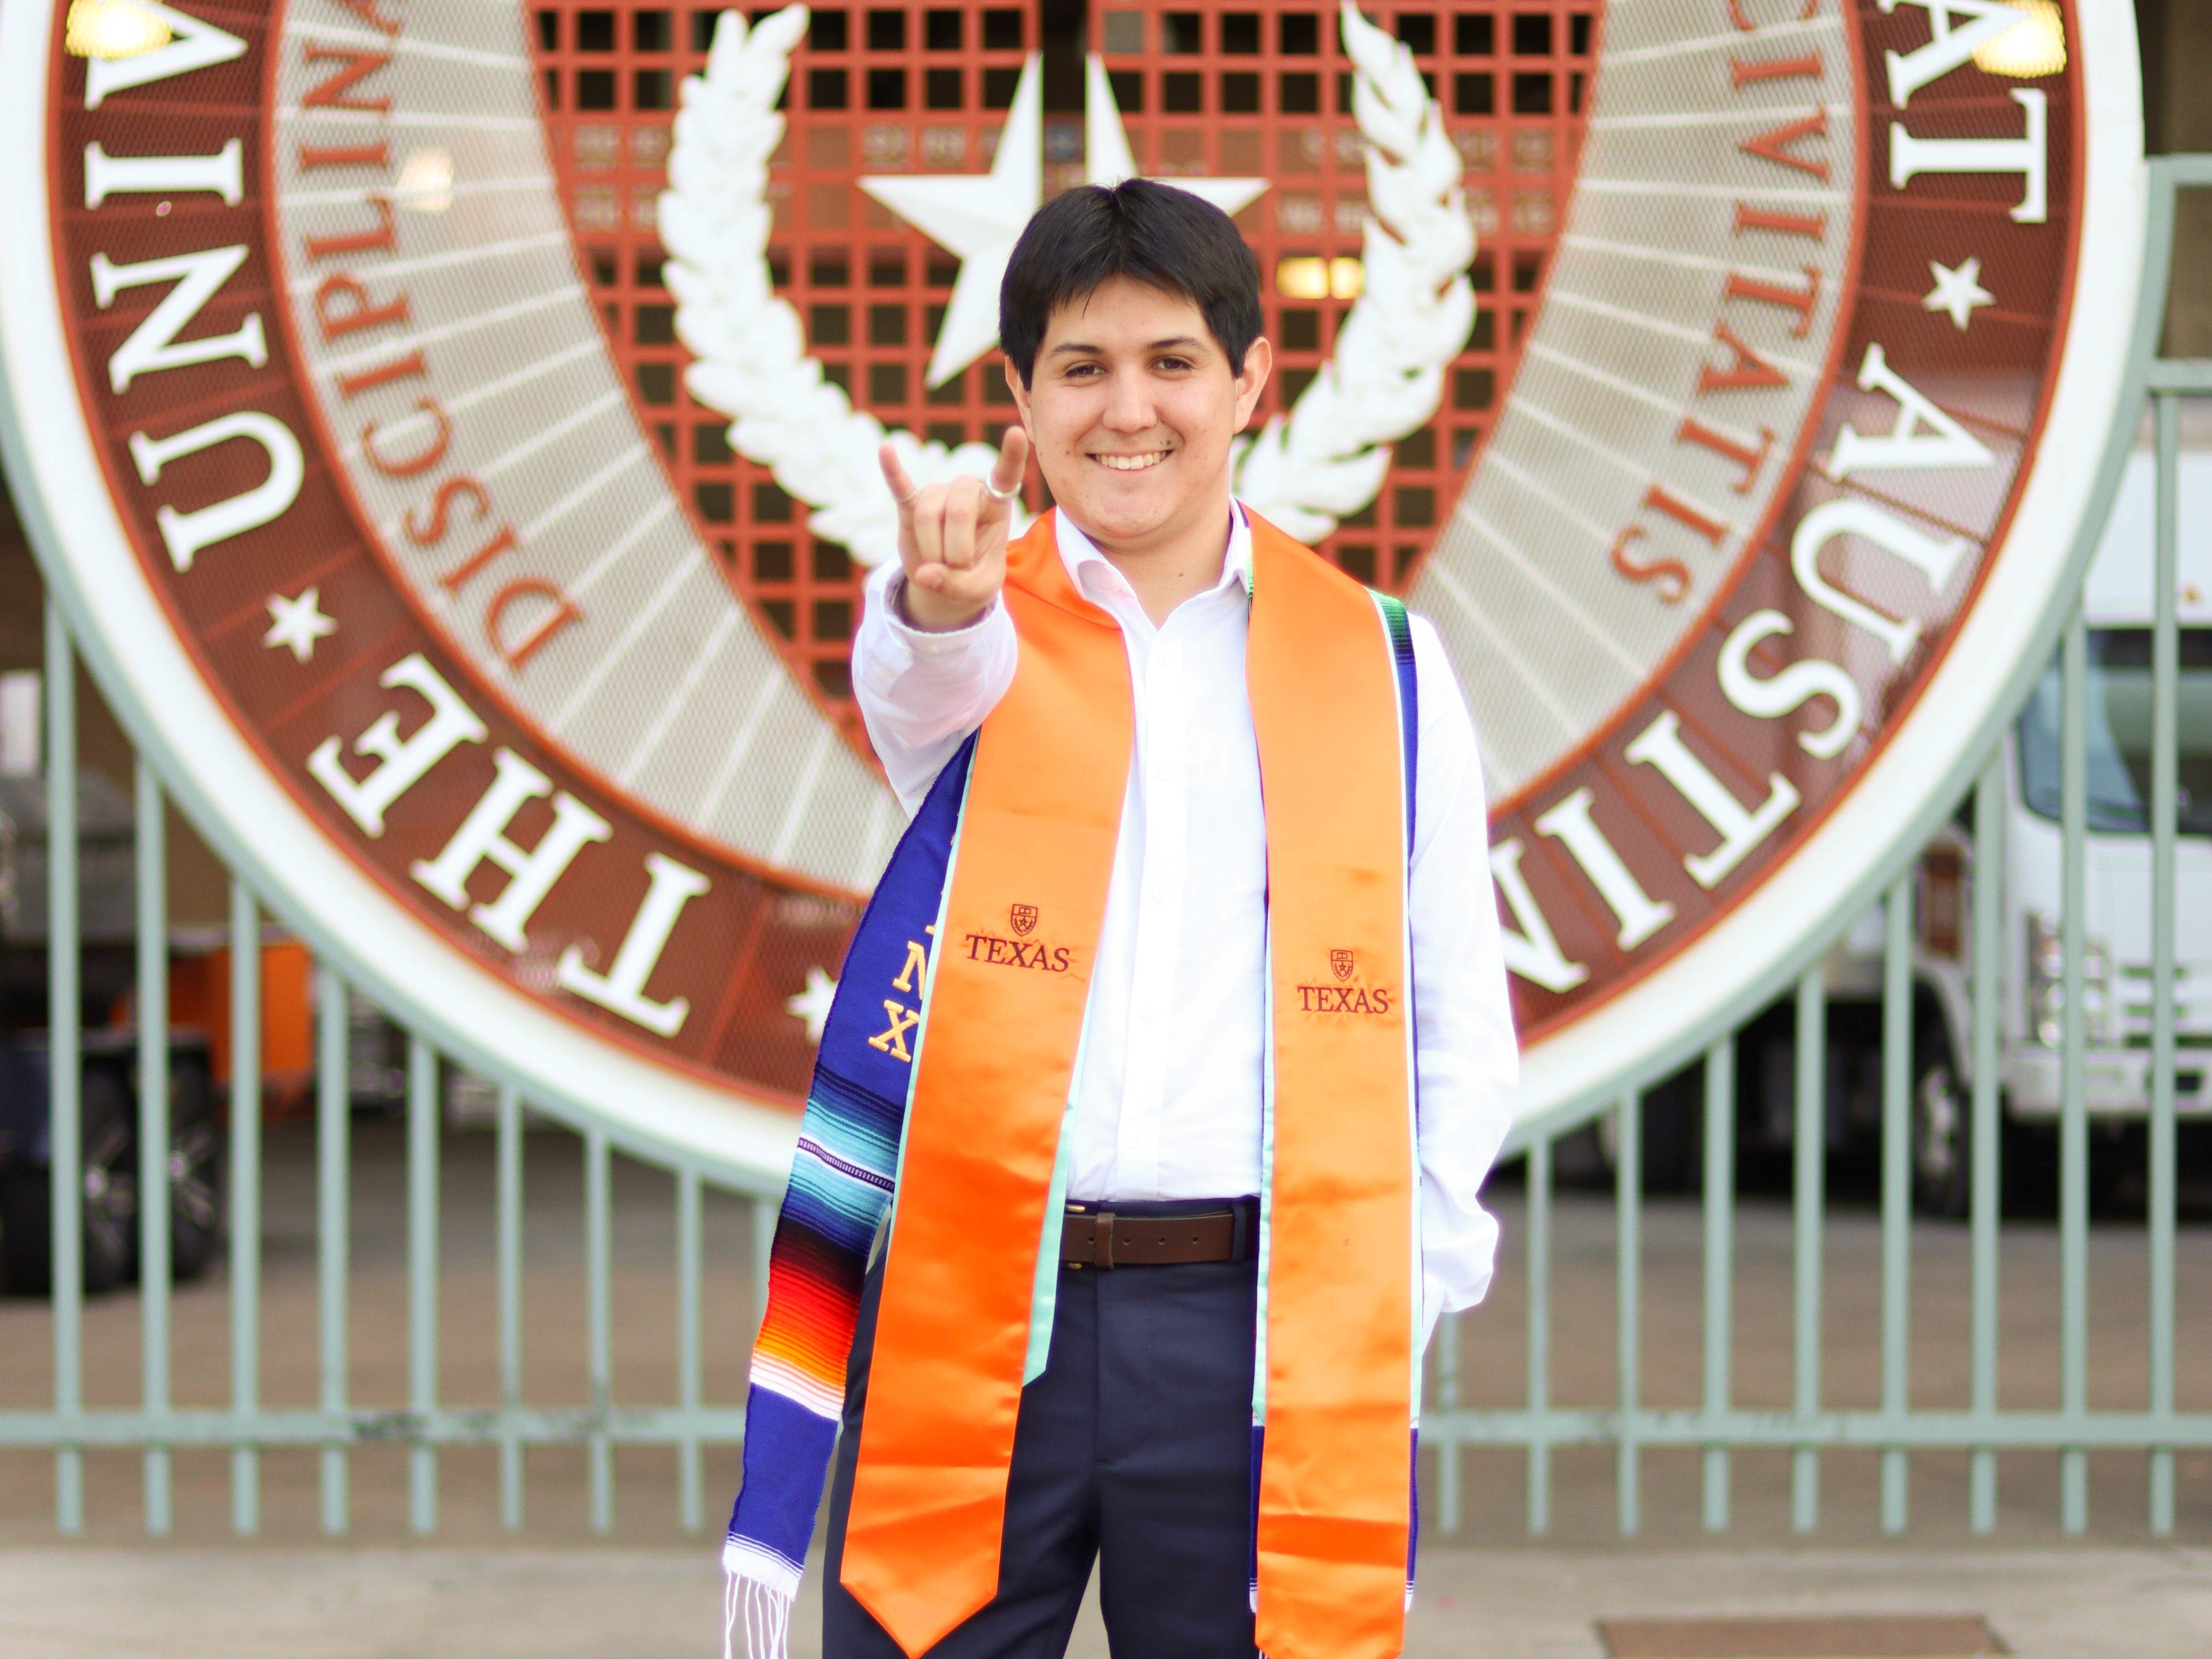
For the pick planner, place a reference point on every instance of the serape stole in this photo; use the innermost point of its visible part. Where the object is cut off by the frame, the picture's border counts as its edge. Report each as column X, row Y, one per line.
column 944, row 1080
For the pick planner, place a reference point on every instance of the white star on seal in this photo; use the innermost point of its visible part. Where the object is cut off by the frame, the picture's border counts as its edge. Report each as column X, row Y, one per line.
column 1957, row 291
column 298, row 624
column 979, row 216
column 812, row 1004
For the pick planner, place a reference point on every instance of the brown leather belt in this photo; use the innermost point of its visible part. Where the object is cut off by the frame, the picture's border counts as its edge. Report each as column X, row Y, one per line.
column 1101, row 1237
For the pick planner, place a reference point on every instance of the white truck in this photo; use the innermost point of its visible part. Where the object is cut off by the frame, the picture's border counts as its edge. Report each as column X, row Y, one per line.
column 2117, row 604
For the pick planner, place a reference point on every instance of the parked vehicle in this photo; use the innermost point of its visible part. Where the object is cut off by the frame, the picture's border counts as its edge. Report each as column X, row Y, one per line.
column 200, row 1045
column 109, row 1116
column 109, row 1119
column 2117, row 911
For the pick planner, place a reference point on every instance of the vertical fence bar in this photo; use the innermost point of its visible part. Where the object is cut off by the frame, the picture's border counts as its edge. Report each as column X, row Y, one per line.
column 1628, row 1298
column 1720, row 1265
column 1809, row 1148
column 245, row 1200
column 1539, row 1330
column 2164, row 801
column 151, row 859
column 690, row 1483
column 422, row 1277
column 65, row 1062
column 1896, row 1187
column 1986, row 1133
column 598, row 1239
column 333, row 1126
column 509, row 1250
column 2072, row 1113
column 1449, row 1453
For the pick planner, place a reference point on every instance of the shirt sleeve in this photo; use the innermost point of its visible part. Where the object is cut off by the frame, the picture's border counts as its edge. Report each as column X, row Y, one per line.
column 921, row 694
column 1467, row 1060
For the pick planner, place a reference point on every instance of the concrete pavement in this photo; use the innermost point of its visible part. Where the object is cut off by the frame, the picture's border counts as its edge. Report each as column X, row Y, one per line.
column 396, row 1603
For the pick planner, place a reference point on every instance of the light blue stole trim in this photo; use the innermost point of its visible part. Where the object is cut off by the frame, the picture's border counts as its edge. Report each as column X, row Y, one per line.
column 1265, row 1246
column 1396, row 625
column 1044, row 1294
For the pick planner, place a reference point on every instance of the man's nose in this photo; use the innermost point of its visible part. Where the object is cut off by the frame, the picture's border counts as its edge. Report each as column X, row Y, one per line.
column 1128, row 404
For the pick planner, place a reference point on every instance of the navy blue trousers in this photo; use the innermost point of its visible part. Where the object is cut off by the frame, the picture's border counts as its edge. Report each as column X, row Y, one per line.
column 1133, row 1450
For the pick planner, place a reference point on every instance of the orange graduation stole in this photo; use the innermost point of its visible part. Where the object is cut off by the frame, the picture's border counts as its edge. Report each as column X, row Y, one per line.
column 1334, row 1388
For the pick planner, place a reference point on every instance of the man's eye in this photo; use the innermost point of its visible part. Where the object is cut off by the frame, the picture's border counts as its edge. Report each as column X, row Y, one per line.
column 1172, row 365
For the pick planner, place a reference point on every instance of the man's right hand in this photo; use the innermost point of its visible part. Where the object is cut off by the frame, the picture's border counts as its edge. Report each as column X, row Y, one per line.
column 952, row 537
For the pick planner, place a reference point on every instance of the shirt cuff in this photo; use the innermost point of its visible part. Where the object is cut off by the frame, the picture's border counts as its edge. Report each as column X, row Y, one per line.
column 926, row 642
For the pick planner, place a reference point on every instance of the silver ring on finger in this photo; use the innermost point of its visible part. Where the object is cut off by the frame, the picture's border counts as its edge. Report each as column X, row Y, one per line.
column 1002, row 497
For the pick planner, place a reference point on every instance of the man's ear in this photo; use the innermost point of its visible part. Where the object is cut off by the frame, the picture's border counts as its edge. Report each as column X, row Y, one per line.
column 1021, row 397
column 1258, row 364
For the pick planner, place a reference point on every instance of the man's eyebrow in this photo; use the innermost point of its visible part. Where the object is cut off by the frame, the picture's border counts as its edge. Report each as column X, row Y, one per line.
column 1081, row 348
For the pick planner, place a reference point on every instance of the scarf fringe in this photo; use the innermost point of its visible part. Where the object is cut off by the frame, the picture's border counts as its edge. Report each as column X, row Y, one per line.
column 761, row 1586
column 767, row 1615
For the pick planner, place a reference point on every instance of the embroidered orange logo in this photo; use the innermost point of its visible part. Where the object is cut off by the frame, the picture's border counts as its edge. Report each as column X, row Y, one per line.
column 1340, row 963
column 1023, row 918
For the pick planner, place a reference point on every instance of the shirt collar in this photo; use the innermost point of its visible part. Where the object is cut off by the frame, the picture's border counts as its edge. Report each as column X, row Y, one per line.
column 1093, row 572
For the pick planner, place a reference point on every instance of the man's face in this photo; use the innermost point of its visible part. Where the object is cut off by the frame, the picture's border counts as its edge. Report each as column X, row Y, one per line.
column 1131, row 404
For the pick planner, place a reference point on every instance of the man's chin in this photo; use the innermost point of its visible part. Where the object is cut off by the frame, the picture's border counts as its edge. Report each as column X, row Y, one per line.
column 1118, row 524
column 1125, row 514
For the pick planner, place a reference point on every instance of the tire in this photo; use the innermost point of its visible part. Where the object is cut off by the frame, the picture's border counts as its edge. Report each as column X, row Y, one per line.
column 1943, row 1141
column 111, row 1182
column 195, row 1168
column 110, row 1202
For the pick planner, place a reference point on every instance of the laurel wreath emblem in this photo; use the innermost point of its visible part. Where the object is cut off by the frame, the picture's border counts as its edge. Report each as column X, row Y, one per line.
column 1327, row 459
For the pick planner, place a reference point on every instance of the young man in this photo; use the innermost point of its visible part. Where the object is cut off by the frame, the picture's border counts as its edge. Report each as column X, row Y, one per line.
column 1179, row 1021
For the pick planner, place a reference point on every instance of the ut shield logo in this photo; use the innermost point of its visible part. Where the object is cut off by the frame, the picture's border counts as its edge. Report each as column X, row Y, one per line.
column 1342, row 963
column 1023, row 918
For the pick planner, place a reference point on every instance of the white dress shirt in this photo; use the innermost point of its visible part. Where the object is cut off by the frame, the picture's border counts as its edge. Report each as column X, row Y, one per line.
column 1167, row 1102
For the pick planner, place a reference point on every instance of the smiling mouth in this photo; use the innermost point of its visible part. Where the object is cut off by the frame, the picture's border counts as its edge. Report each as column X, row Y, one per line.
column 1132, row 463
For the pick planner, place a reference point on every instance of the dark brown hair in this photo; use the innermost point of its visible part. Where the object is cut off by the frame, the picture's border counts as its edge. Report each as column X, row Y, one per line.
column 1153, row 234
